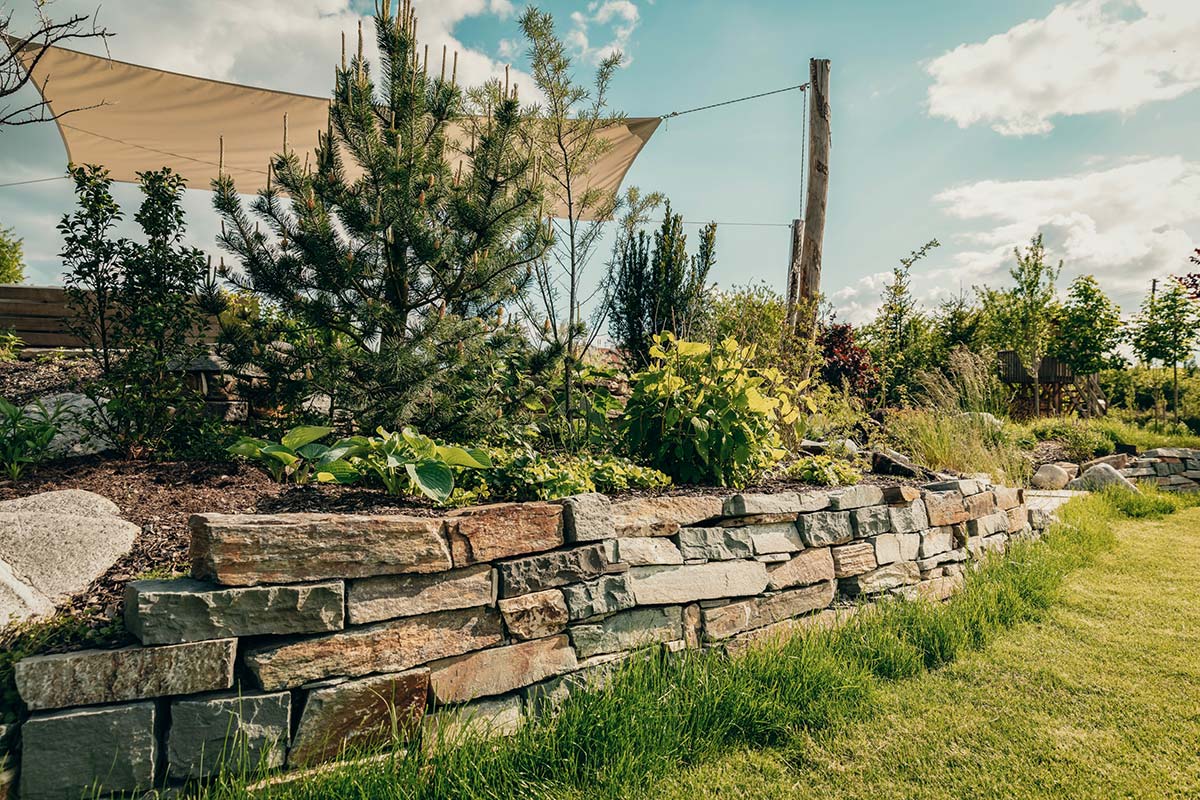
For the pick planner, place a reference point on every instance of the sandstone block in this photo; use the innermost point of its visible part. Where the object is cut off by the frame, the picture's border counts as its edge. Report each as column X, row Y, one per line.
column 1007, row 498
column 853, row 559
column 945, row 508
column 640, row 551
column 587, row 518
column 725, row 621
column 855, row 497
column 358, row 714
column 489, row 717
column 500, row 670
column 983, row 546
column 253, row 549
column 773, row 558
column 170, row 612
column 1018, row 519
column 742, row 505
column 909, row 518
column 716, row 544
column 893, row 547
column 900, row 495
column 602, row 596
column 996, row 522
column 781, row 537
column 391, row 596
column 382, row 647
column 891, row 576
column 940, row 588
column 980, row 505
column 672, row 585
column 825, row 528
column 84, row 751
column 503, row 530
column 551, row 570
column 870, row 521
column 936, row 540
column 663, row 516
column 950, row 556
column 236, row 733
column 628, row 630
column 96, row 677
column 810, row 566
column 534, row 616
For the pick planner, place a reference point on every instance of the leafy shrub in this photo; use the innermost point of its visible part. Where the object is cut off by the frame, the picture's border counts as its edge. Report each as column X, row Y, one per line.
column 10, row 345
column 1082, row 441
column 844, row 362
column 299, row 457
column 701, row 415
column 823, row 470
column 524, row 474
column 25, row 436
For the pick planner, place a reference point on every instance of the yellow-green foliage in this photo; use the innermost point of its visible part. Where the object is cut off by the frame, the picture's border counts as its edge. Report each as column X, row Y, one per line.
column 521, row 474
column 823, row 470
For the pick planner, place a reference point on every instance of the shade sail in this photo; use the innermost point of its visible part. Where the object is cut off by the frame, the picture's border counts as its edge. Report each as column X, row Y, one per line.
column 134, row 118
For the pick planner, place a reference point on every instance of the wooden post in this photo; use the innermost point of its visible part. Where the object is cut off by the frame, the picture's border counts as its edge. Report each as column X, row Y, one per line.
column 793, row 284
column 818, row 181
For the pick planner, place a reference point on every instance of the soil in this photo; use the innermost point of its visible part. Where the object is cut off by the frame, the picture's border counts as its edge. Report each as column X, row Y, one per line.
column 22, row 382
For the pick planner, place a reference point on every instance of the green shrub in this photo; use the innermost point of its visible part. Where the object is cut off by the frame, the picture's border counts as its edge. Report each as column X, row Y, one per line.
column 823, row 470
column 300, row 457
column 701, row 415
column 25, row 436
column 10, row 345
column 1082, row 441
column 524, row 474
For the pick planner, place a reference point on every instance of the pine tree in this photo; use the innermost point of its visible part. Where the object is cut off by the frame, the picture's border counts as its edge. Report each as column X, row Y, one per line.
column 898, row 335
column 388, row 253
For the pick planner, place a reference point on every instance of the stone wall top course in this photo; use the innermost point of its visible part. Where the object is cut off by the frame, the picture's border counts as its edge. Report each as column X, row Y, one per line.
column 503, row 530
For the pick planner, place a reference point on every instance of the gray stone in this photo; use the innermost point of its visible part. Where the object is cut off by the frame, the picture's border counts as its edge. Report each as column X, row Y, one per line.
column 780, row 537
column 551, row 570
column 1050, row 476
column 534, row 616
column 744, row 505
column 1117, row 461
column 71, row 502
column 340, row 715
column 602, row 596
column 950, row 556
column 95, row 677
column 870, row 521
column 1101, row 477
column 891, row 576
column 936, row 540
column 663, row 516
column 500, row 670
column 996, row 522
column 628, row 630
column 1007, row 498
column 671, row 585
column 88, row 751
column 171, row 612
column 965, row 487
column 853, row 559
column 587, row 518
column 392, row 596
column 810, row 566
column 641, row 551
column 909, row 518
column 892, row 547
column 235, row 733
column 489, row 717
column 855, row 497
column 716, row 544
column 945, row 508
column 773, row 558
column 725, row 621
column 78, row 416
column 825, row 528
column 593, row 674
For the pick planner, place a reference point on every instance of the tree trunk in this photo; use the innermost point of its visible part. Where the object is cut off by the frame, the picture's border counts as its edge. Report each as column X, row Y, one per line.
column 793, row 284
column 812, row 240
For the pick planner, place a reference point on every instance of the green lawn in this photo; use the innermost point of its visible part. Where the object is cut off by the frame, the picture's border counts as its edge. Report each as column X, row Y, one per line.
column 1100, row 699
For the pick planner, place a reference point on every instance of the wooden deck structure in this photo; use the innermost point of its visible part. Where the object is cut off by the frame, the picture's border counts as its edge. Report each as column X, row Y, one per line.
column 1057, row 386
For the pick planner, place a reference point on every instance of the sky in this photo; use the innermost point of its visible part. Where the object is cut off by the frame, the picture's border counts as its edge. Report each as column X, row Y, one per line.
column 973, row 122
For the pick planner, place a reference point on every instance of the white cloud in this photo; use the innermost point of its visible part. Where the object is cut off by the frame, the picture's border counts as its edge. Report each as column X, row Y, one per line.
column 1085, row 57
column 1125, row 224
column 619, row 17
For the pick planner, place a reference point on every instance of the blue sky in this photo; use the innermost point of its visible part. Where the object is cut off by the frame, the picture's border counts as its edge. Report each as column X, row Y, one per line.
column 978, row 123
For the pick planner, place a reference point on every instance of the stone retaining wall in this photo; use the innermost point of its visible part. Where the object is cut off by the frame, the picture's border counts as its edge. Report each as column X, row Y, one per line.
column 304, row 634
column 1174, row 469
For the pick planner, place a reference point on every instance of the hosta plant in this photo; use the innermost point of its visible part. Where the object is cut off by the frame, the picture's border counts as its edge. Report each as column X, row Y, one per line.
column 406, row 461
column 300, row 457
column 700, row 414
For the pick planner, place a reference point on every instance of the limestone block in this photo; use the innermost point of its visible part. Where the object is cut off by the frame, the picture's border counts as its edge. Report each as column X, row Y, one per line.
column 390, row 596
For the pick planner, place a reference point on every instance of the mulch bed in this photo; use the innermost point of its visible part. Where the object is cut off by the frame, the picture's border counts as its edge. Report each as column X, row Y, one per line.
column 22, row 382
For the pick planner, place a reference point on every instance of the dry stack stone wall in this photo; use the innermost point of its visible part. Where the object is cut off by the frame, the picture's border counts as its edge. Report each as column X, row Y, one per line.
column 304, row 634
column 1175, row 469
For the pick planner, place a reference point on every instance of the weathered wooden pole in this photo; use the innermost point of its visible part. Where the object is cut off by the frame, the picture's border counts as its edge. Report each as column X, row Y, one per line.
column 792, row 320
column 818, row 190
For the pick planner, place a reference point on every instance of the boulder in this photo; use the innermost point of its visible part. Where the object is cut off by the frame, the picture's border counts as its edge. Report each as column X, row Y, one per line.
column 391, row 596
column 255, row 549
column 71, row 502
column 1072, row 469
column 1101, row 477
column 535, row 616
column 83, row 752
column 716, row 579
column 551, row 570
column 503, row 530
column 77, row 415
column 185, row 610
column 95, row 677
column 1050, row 476
column 233, row 732
column 500, row 670
column 341, row 714
column 628, row 630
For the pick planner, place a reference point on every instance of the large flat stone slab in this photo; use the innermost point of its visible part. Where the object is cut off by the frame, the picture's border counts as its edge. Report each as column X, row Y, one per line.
column 725, row 621
column 655, row 586
column 714, row 544
column 71, row 502
column 500, row 670
column 663, row 516
column 503, row 530
column 254, row 549
column 641, row 551
column 628, row 630
column 87, row 751
column 383, row 647
column 810, row 566
column 391, row 596
column 358, row 714
column 229, row 732
column 744, row 505
column 551, row 570
column 186, row 610
column 95, row 677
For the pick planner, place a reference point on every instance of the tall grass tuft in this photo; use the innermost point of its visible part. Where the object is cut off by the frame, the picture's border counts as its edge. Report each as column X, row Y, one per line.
column 968, row 382
column 657, row 714
column 960, row 443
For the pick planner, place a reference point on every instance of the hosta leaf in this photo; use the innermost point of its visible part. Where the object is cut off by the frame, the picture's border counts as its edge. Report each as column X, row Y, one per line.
column 337, row 472
column 283, row 455
column 461, row 457
column 248, row 448
column 313, row 451
column 433, row 478
column 298, row 437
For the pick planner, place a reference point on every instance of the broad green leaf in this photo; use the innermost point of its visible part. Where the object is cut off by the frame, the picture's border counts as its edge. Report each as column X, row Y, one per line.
column 302, row 435
column 248, row 448
column 338, row 472
column 687, row 348
column 460, row 457
column 283, row 455
column 433, row 478
column 313, row 451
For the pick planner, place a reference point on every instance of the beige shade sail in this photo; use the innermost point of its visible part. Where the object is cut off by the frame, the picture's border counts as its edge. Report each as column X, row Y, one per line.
column 133, row 118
